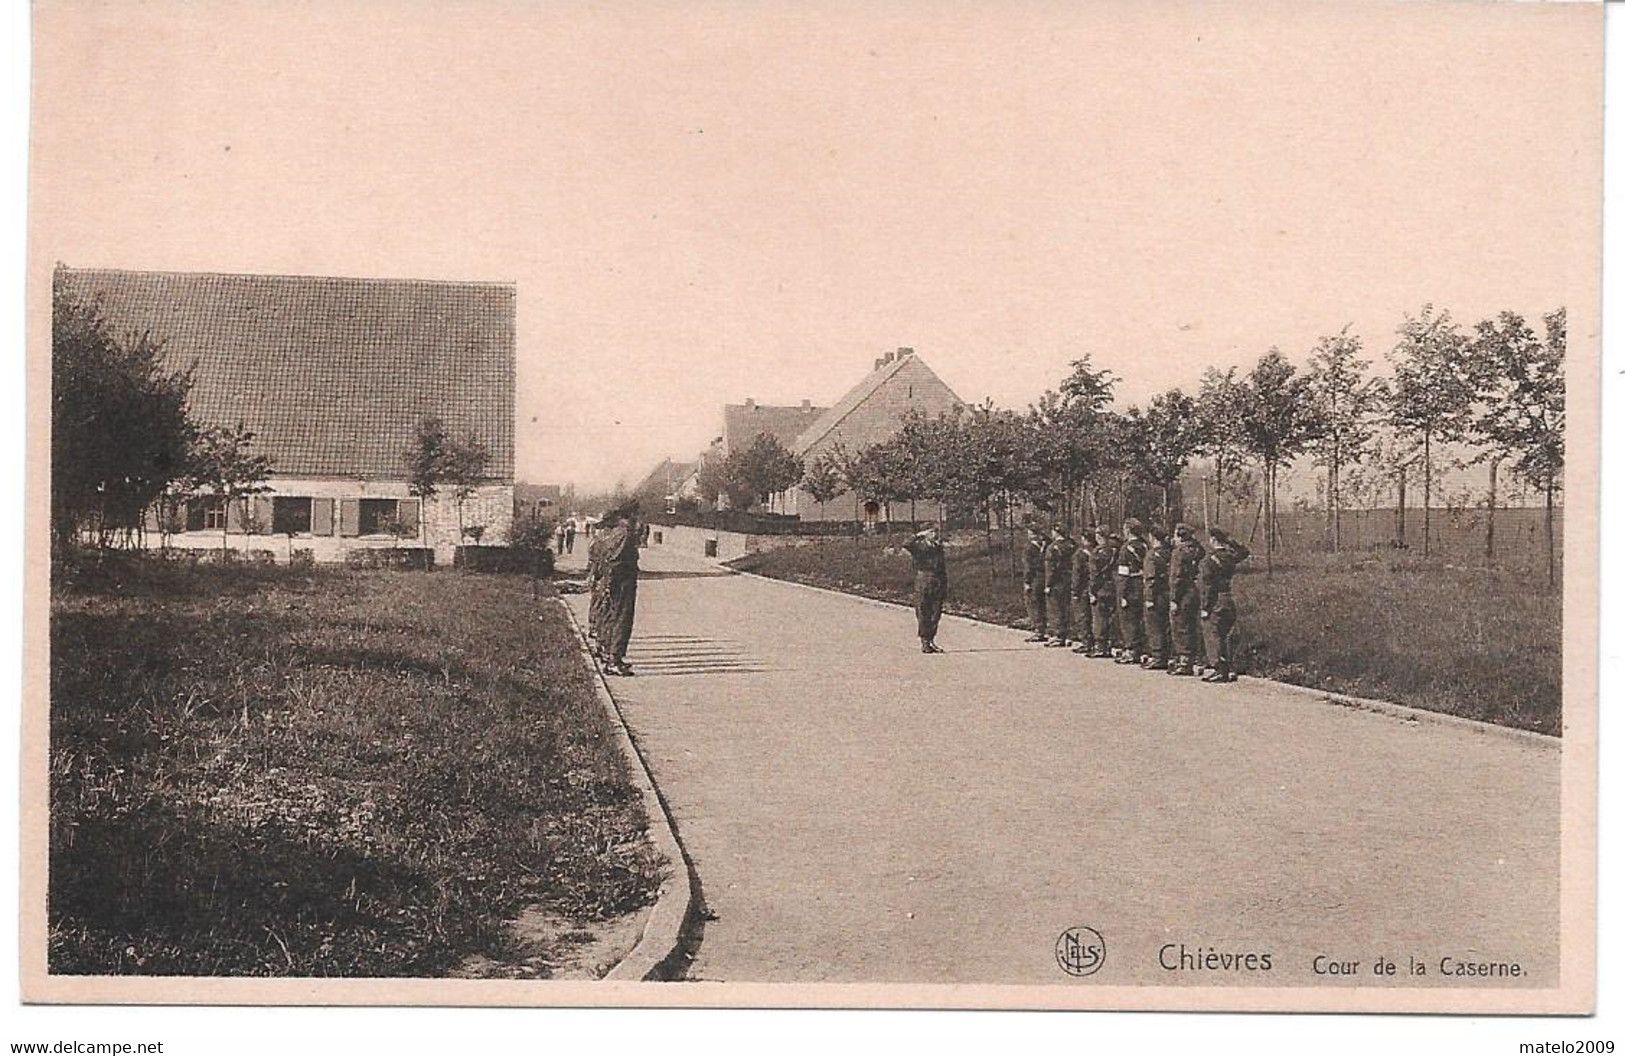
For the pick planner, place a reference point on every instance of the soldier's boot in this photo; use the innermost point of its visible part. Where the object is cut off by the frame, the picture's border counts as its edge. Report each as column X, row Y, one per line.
column 1059, row 642
column 1154, row 663
column 1036, row 636
column 1084, row 648
column 1182, row 666
column 1216, row 674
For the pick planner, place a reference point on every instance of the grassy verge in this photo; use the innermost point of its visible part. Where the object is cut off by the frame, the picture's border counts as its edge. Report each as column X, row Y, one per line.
column 1479, row 644
column 275, row 772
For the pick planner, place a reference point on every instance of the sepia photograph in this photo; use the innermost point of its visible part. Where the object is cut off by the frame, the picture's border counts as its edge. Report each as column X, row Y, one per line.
column 907, row 505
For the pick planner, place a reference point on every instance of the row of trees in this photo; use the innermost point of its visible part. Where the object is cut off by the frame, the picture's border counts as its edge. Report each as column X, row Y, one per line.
column 1497, row 388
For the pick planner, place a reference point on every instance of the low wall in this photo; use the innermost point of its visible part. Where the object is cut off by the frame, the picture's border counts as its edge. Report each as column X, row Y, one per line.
column 713, row 542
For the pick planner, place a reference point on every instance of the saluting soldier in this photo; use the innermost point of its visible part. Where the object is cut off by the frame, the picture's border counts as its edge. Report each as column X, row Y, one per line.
column 930, row 585
column 1131, row 592
column 1033, row 582
column 1219, row 604
column 1081, row 608
column 1157, row 558
column 1184, row 600
column 1058, row 585
column 1103, row 592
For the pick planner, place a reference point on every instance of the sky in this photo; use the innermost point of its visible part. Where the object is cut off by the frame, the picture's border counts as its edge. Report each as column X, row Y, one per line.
column 709, row 201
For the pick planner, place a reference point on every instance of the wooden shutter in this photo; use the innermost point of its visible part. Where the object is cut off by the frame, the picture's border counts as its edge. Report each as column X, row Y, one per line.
column 321, row 516
column 349, row 516
column 236, row 513
column 262, row 515
column 409, row 516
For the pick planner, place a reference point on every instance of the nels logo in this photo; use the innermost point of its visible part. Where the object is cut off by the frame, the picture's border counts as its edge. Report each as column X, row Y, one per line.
column 1080, row 951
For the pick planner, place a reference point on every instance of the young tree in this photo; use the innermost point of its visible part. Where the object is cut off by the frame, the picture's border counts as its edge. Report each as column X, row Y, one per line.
column 753, row 476
column 425, row 459
column 875, row 474
column 1220, row 409
column 1344, row 398
column 465, row 461
column 1431, row 395
column 711, row 482
column 437, row 460
column 120, row 434
column 224, row 465
column 1280, row 422
column 1523, row 412
column 822, row 479
column 1162, row 440
column 1072, row 437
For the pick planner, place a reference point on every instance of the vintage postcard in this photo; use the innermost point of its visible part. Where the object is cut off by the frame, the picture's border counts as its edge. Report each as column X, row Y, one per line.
column 898, row 504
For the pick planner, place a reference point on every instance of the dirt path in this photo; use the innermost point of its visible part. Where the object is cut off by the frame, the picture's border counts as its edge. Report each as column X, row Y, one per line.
column 859, row 812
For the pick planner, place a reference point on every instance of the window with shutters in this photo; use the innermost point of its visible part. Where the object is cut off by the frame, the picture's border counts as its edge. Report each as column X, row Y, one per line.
column 380, row 516
column 290, row 516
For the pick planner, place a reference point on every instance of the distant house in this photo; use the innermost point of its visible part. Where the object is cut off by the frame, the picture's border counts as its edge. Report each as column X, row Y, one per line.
column 742, row 423
column 872, row 412
column 333, row 376
column 536, row 500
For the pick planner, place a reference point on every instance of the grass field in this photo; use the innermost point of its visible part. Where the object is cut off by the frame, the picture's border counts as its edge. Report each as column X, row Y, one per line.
column 1465, row 641
column 262, row 771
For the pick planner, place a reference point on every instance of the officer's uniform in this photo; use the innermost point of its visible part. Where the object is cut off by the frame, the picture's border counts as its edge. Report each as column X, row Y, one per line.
column 1158, row 647
column 1103, row 595
column 1219, row 608
column 1058, row 587
column 930, row 587
column 620, row 573
column 1131, row 600
column 1033, row 586
column 1185, row 616
column 597, row 590
column 1081, row 558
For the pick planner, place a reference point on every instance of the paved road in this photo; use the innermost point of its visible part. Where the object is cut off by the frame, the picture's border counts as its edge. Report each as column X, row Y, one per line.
column 857, row 811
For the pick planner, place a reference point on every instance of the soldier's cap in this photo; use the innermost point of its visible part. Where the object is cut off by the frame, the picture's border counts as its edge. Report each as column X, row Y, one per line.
column 1219, row 535
column 1133, row 525
column 1183, row 529
column 1157, row 532
column 1114, row 537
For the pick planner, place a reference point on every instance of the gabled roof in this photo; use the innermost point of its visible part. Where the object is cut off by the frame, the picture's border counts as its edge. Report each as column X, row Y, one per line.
column 331, row 374
column 742, row 423
column 668, row 474
column 855, row 398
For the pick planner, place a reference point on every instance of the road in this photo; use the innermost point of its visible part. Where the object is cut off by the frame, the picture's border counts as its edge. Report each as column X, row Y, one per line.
column 858, row 811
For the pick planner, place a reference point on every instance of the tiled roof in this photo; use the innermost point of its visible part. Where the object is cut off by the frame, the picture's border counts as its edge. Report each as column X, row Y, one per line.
column 855, row 398
column 331, row 374
column 742, row 423
column 668, row 474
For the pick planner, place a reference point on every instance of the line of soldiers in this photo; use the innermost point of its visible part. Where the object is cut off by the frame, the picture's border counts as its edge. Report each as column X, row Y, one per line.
column 612, row 587
column 1146, row 599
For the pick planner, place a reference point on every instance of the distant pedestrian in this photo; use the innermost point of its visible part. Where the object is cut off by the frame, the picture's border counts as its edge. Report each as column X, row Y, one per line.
column 1082, row 612
column 558, row 537
column 930, row 585
column 570, row 536
column 1058, row 585
column 1158, row 557
column 1033, row 582
column 1219, row 604
column 1184, row 599
column 1103, row 592
column 621, row 572
column 1131, row 593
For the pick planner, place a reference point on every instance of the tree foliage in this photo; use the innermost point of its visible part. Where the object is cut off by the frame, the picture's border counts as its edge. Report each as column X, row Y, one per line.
column 752, row 476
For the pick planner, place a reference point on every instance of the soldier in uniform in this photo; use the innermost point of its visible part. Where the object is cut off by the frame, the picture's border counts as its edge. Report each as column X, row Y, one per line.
column 1184, row 600
column 1131, row 593
column 1082, row 609
column 1103, row 592
column 1157, row 558
column 1219, row 604
column 620, row 572
column 1058, row 585
column 1033, row 582
column 930, row 585
column 597, row 586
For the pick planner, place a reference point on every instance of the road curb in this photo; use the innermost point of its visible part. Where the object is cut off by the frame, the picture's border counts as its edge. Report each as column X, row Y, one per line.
column 1402, row 712
column 660, row 952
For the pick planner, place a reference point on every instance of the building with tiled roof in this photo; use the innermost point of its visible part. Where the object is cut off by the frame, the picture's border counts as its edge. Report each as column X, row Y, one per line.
column 742, row 423
column 871, row 412
column 333, row 376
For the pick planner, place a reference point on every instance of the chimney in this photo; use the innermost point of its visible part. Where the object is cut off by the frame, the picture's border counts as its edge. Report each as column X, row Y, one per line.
column 750, row 403
column 880, row 363
column 901, row 352
column 888, row 357
column 806, row 405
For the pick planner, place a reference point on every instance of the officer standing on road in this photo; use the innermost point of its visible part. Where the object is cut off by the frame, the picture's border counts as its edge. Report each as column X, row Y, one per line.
column 1131, row 592
column 930, row 584
column 1082, row 611
column 620, row 571
column 1103, row 593
column 1219, row 604
column 1058, row 585
column 1033, row 582
column 1184, row 600
column 1157, row 559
